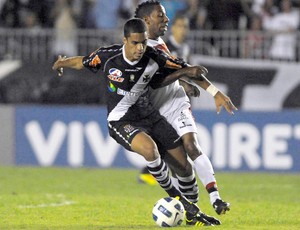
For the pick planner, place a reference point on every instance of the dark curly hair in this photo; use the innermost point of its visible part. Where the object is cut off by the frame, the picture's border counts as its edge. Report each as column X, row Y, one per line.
column 145, row 8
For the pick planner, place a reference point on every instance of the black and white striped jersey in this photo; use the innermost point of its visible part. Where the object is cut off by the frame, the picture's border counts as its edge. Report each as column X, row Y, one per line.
column 127, row 82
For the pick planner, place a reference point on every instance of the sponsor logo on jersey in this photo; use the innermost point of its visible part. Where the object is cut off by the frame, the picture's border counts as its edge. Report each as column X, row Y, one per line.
column 127, row 93
column 136, row 69
column 115, row 75
column 111, row 87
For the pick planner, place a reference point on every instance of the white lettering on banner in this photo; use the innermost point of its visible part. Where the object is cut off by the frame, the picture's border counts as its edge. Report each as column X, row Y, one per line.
column 45, row 149
column 75, row 154
column 105, row 150
column 243, row 144
column 275, row 146
column 230, row 146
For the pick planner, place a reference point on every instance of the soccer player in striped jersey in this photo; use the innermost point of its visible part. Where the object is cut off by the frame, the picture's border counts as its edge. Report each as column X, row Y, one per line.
column 129, row 71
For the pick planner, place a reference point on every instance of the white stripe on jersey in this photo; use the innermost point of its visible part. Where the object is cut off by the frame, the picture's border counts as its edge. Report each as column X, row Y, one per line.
column 136, row 91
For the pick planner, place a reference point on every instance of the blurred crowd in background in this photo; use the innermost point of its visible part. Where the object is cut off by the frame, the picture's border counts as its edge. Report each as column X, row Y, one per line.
column 280, row 18
column 110, row 14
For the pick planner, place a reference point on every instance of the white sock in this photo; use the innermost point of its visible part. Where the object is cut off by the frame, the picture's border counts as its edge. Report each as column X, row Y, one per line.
column 175, row 182
column 213, row 196
column 206, row 174
column 204, row 170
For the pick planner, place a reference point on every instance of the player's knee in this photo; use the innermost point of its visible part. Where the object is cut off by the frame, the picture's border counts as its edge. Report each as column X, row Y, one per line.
column 184, row 170
column 192, row 149
column 150, row 152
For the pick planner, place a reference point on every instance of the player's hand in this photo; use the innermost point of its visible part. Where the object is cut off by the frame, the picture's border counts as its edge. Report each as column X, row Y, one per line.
column 204, row 70
column 223, row 100
column 56, row 66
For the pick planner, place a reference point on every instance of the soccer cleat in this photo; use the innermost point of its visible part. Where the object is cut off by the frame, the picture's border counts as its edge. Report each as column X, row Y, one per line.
column 221, row 206
column 210, row 219
column 190, row 208
column 147, row 178
column 198, row 220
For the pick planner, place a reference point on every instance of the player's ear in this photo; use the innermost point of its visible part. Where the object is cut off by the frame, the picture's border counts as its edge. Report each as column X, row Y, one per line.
column 124, row 40
column 146, row 19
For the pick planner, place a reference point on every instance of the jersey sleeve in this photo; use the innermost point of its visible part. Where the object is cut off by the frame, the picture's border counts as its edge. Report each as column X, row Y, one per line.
column 94, row 61
column 164, row 60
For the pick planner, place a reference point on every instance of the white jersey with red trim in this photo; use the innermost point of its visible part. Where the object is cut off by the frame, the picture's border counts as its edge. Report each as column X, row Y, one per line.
column 171, row 99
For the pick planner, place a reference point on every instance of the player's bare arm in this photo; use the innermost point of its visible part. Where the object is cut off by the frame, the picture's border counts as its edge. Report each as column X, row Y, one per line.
column 64, row 62
column 192, row 72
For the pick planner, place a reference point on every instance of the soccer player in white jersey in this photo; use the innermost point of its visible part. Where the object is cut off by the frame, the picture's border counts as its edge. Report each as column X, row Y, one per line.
column 174, row 105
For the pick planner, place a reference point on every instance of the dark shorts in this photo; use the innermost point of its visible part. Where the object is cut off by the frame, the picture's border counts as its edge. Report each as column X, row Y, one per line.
column 159, row 129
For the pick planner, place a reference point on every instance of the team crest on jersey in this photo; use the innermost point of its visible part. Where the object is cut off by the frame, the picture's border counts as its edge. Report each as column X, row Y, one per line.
column 115, row 75
column 128, row 128
column 131, row 78
column 146, row 78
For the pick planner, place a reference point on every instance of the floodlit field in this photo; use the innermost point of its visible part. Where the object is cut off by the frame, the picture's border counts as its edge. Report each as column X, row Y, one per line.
column 62, row 198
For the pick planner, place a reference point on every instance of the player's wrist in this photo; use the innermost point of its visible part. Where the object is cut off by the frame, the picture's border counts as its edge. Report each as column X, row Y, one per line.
column 212, row 90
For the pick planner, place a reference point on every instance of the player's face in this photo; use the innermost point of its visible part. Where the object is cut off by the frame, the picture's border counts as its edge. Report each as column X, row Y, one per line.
column 180, row 29
column 135, row 46
column 157, row 22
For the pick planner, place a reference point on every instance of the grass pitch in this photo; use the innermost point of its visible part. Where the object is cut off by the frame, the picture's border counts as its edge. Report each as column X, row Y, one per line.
column 64, row 198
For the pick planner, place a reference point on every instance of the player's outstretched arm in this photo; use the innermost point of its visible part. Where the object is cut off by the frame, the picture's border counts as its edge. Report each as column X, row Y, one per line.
column 221, row 100
column 64, row 62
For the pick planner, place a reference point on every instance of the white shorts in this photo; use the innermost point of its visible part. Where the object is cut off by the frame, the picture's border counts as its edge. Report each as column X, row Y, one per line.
column 182, row 122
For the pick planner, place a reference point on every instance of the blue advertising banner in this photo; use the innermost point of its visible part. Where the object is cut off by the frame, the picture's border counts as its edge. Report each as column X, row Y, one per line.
column 78, row 136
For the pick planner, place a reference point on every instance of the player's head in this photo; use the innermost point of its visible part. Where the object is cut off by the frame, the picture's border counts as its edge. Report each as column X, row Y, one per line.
column 154, row 14
column 180, row 27
column 135, row 38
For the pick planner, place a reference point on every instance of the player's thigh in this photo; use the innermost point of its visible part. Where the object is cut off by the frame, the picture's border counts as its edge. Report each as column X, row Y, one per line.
column 143, row 144
column 123, row 133
column 133, row 138
column 168, row 139
column 165, row 135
